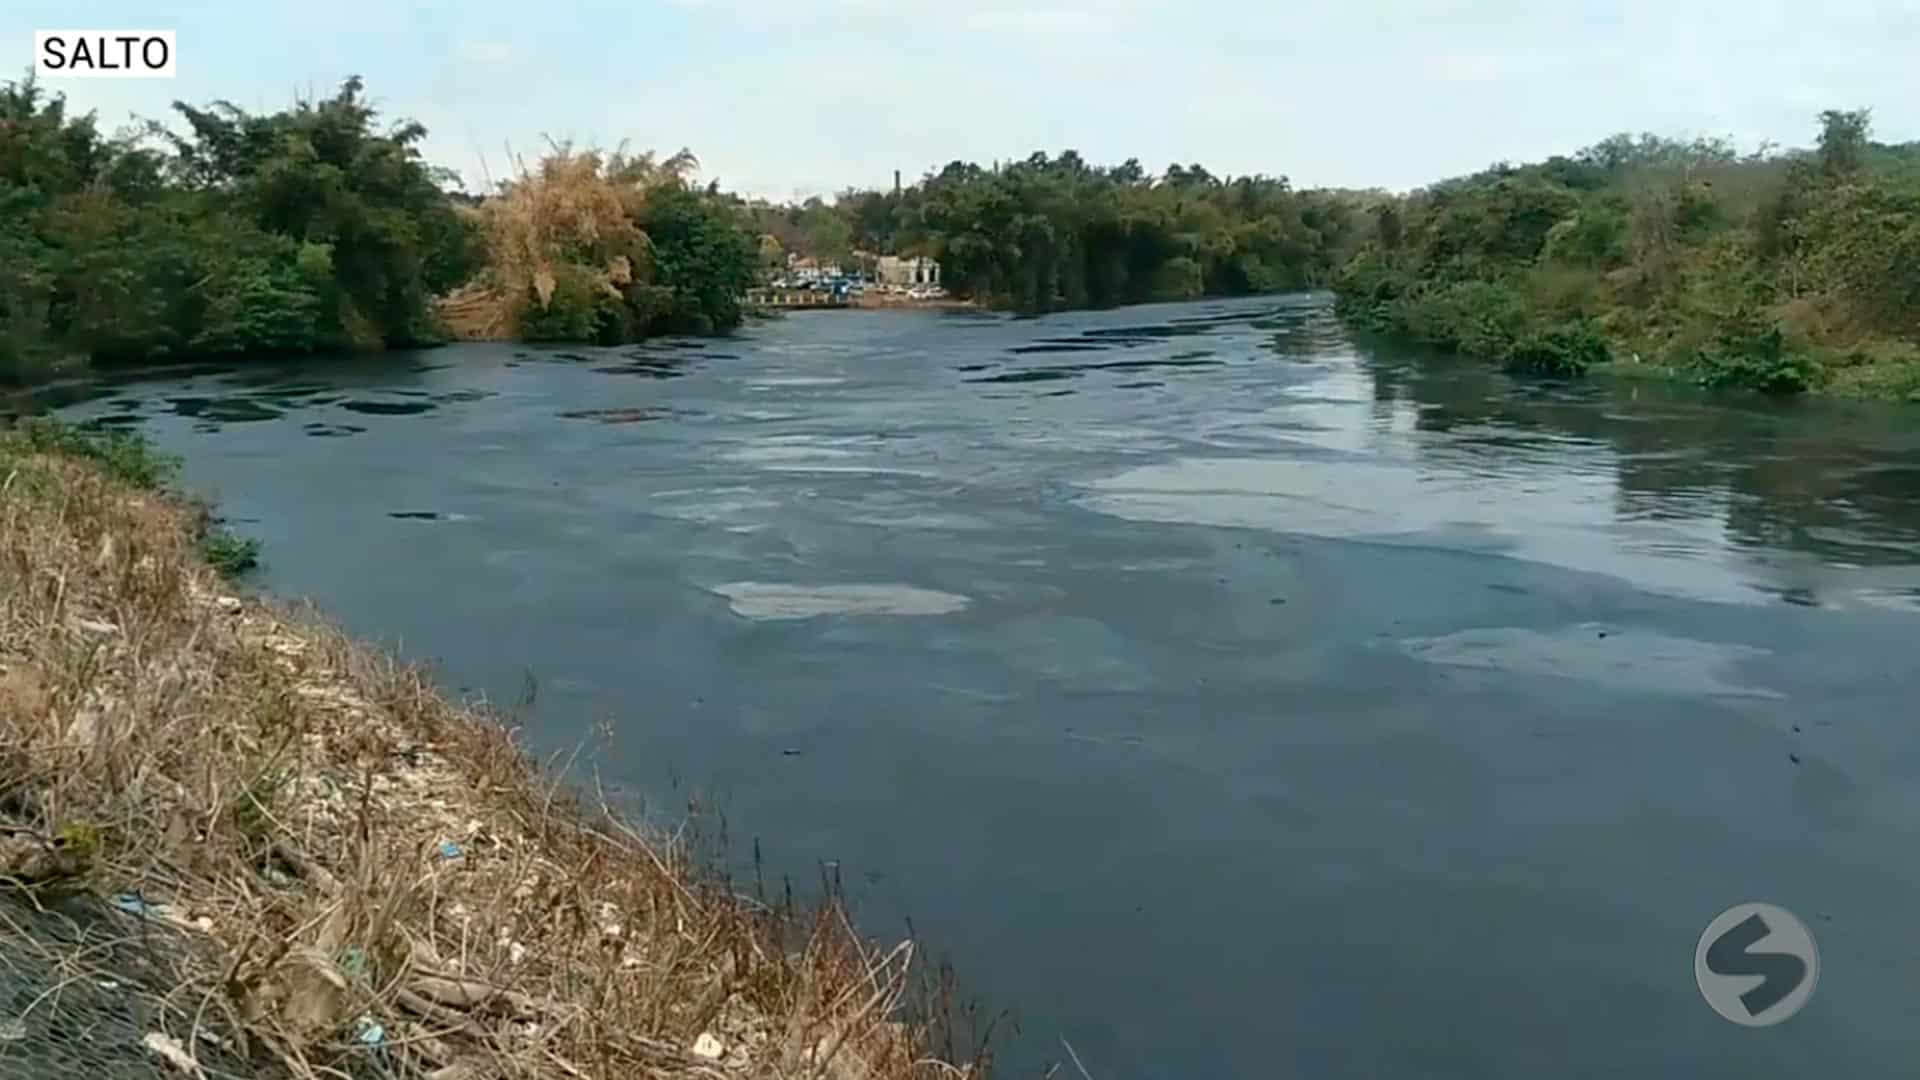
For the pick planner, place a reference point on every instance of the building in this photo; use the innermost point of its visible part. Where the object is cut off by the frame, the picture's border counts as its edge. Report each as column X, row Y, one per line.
column 802, row 269
column 894, row 270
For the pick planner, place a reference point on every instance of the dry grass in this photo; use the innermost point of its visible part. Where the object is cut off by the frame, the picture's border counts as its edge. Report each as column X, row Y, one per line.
column 572, row 213
column 292, row 796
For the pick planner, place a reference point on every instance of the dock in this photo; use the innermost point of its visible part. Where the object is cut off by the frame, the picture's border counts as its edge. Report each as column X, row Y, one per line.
column 797, row 298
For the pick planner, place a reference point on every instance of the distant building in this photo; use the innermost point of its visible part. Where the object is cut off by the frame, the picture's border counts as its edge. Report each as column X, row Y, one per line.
column 894, row 270
column 805, row 269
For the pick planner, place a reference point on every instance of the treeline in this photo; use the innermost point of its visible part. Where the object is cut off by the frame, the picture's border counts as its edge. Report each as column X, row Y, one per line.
column 294, row 232
column 1048, row 233
column 1778, row 270
column 320, row 228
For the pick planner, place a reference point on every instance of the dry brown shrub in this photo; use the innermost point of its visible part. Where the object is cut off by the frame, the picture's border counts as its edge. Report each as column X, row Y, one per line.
column 573, row 211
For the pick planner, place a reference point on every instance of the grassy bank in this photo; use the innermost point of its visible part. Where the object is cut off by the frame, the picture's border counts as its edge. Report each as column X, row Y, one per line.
column 364, row 873
column 1777, row 271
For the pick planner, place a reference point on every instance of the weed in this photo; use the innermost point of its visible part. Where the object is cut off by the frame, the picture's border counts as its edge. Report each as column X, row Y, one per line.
column 229, row 554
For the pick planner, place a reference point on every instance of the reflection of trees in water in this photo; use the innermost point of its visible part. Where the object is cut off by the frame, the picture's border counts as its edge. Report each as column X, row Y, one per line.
column 1836, row 480
column 1308, row 333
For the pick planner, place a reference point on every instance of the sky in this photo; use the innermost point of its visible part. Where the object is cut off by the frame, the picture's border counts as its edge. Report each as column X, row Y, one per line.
column 788, row 99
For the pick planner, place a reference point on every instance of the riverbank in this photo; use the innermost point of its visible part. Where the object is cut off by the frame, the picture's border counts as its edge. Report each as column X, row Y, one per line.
column 878, row 301
column 355, row 864
column 1784, row 272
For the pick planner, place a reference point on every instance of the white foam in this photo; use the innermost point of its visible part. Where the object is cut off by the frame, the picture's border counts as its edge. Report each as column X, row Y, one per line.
column 1633, row 659
column 765, row 600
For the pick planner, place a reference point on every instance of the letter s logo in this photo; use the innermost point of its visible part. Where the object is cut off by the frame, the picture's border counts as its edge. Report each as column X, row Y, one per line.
column 1756, row 942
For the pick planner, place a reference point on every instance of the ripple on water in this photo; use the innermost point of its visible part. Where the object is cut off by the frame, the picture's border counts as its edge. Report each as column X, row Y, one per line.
column 646, row 367
column 228, row 410
column 775, row 382
column 388, row 408
column 616, row 416
column 1894, row 599
column 319, row 430
column 765, row 600
column 1058, row 347
column 1041, row 375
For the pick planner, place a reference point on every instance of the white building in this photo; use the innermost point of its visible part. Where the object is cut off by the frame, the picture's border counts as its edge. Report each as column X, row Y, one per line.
column 894, row 270
column 803, row 269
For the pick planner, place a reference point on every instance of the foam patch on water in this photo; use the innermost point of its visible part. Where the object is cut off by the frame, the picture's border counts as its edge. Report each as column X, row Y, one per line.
column 854, row 470
column 777, row 381
column 791, row 452
column 763, row 600
column 1629, row 659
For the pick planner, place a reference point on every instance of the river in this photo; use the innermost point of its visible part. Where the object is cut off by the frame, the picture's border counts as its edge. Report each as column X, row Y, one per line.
column 1229, row 697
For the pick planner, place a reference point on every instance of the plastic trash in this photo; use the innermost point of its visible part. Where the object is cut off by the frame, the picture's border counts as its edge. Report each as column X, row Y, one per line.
column 169, row 1050
column 450, row 850
column 133, row 905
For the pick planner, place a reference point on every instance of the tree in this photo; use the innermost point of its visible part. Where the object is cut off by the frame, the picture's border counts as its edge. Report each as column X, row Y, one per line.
column 1051, row 231
column 828, row 236
column 703, row 260
column 1843, row 141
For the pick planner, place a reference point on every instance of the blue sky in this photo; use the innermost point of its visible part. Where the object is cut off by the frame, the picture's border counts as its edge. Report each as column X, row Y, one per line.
column 791, row 98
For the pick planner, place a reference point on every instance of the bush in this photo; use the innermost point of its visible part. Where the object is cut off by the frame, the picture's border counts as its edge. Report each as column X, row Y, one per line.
column 1757, row 359
column 1568, row 349
column 1179, row 278
column 1366, row 288
column 577, row 309
column 1595, row 237
column 1479, row 318
column 227, row 553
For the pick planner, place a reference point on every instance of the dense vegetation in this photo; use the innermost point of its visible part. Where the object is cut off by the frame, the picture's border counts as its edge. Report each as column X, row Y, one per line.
column 1779, row 271
column 319, row 228
column 606, row 248
column 1049, row 233
column 303, row 230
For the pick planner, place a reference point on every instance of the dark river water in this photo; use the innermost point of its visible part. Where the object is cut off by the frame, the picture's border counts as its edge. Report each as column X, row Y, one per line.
column 1228, row 697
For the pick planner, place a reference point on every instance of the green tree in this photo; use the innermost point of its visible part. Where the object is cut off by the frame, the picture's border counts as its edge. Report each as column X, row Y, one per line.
column 1843, row 141
column 703, row 259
